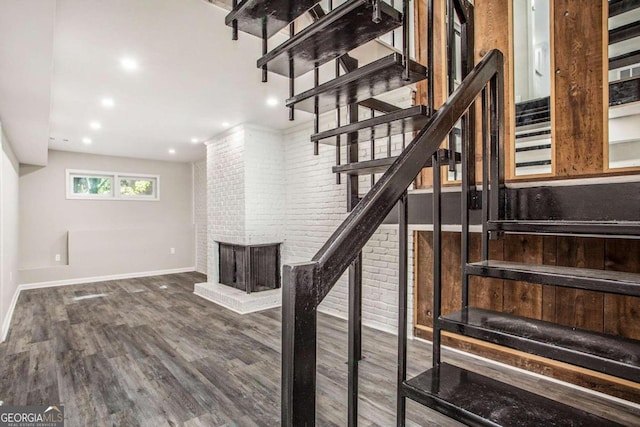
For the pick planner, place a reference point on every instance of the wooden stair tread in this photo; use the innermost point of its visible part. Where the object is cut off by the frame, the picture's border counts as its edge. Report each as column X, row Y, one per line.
column 587, row 228
column 478, row 400
column 396, row 123
column 581, row 278
column 346, row 27
column 617, row 356
column 383, row 75
column 276, row 14
column 368, row 167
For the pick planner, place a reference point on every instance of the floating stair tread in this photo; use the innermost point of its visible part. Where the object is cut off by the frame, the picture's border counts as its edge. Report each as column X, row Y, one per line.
column 477, row 400
column 624, row 60
column 341, row 30
column 276, row 14
column 581, row 278
column 618, row 7
column 368, row 167
column 395, row 123
column 591, row 228
column 624, row 91
column 617, row 356
column 383, row 75
column 625, row 32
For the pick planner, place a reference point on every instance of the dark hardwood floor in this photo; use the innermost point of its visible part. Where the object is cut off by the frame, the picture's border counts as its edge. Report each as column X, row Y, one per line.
column 148, row 352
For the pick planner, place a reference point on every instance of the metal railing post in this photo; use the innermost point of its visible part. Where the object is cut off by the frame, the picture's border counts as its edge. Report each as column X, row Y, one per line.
column 299, row 330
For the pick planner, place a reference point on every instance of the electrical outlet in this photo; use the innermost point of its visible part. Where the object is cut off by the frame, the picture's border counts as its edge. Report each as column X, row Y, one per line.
column 172, row 251
column 58, row 258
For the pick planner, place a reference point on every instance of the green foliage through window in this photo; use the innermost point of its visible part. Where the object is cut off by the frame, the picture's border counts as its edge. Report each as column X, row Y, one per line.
column 92, row 185
column 112, row 186
column 136, row 187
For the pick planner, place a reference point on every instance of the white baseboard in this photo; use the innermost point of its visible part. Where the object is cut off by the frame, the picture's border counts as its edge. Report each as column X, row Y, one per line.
column 97, row 279
column 79, row 281
column 7, row 319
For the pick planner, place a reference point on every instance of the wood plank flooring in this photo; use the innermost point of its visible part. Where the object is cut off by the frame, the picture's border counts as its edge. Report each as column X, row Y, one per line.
column 147, row 352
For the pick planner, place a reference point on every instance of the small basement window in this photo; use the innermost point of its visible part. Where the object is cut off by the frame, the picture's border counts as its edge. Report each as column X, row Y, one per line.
column 94, row 185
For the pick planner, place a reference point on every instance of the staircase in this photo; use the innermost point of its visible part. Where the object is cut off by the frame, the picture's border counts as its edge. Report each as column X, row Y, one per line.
column 460, row 394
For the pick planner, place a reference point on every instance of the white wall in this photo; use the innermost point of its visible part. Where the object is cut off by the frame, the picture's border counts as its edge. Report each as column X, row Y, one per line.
column 8, row 231
column 200, row 213
column 103, row 237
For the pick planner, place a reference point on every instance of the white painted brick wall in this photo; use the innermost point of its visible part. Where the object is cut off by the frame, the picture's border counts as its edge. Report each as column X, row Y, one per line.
column 225, row 194
column 264, row 176
column 316, row 206
column 200, row 213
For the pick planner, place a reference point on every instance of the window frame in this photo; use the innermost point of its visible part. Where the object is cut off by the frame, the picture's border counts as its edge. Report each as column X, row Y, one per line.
column 115, row 187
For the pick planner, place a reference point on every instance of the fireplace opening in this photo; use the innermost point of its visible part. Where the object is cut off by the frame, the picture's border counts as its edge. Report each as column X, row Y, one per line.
column 251, row 268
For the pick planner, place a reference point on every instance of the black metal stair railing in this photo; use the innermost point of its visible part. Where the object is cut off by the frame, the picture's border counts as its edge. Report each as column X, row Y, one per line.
column 306, row 284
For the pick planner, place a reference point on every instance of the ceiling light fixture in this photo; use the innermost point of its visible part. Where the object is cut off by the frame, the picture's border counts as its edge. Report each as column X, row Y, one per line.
column 95, row 125
column 172, row 151
column 272, row 102
column 129, row 64
column 108, row 102
column 195, row 140
column 225, row 124
column 86, row 141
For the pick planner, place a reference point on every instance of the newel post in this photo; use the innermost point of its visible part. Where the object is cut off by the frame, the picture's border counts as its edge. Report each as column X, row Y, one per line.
column 299, row 324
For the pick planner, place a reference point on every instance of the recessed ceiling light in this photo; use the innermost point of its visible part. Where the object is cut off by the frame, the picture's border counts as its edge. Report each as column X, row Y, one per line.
column 172, row 151
column 86, row 141
column 108, row 102
column 195, row 140
column 272, row 102
column 95, row 125
column 129, row 64
column 225, row 124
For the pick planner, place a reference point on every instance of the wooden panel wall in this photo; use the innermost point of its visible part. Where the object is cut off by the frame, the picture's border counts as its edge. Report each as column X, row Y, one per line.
column 493, row 30
column 425, row 178
column 579, row 115
column 589, row 310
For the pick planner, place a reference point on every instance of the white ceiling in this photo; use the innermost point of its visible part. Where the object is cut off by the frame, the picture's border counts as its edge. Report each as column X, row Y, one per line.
column 26, row 56
column 192, row 77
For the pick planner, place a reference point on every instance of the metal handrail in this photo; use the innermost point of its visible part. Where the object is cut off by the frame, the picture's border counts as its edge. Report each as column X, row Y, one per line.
column 306, row 284
column 351, row 236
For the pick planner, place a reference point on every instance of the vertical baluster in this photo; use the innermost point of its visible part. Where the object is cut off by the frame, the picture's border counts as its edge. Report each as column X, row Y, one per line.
column 430, row 82
column 451, row 83
column 377, row 13
column 316, row 113
column 389, row 140
column 403, row 245
column 465, row 194
column 338, row 119
column 330, row 5
column 437, row 258
column 234, row 23
column 405, row 38
column 292, row 31
column 264, row 48
column 393, row 33
column 373, row 147
column 497, row 134
column 485, row 178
